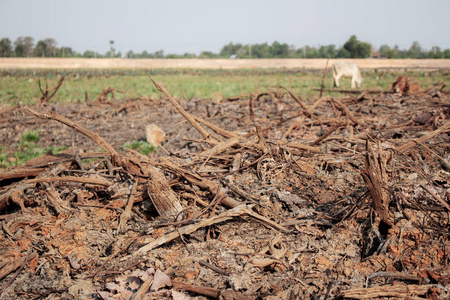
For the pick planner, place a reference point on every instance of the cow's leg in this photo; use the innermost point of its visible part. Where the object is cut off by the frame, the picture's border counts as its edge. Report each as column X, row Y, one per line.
column 353, row 82
column 336, row 80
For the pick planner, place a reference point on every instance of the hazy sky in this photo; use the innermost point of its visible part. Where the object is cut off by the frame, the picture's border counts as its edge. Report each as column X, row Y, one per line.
column 179, row 26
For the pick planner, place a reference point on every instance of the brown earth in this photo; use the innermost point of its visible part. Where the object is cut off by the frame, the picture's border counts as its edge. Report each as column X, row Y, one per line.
column 282, row 199
column 118, row 63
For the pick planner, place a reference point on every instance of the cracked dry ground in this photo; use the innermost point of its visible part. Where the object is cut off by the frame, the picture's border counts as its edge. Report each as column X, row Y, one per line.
column 272, row 203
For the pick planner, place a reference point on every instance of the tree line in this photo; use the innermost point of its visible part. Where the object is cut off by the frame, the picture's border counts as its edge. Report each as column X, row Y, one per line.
column 353, row 48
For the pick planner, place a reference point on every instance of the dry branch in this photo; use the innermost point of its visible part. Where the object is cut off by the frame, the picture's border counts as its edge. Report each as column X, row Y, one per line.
column 399, row 291
column 116, row 158
column 178, row 107
column 408, row 145
column 297, row 99
column 241, row 210
column 45, row 97
column 86, row 180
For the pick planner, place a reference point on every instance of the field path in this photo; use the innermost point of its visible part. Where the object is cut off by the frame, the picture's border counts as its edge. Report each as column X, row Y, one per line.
column 121, row 63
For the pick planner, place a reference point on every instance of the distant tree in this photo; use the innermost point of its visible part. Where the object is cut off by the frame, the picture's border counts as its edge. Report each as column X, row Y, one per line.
column 23, row 46
column 357, row 49
column 343, row 53
column 130, row 54
column 145, row 54
column 206, row 54
column 278, row 50
column 111, row 42
column 45, row 48
column 387, row 52
column 436, row 52
column 158, row 54
column 260, row 50
column 89, row 54
column 446, row 53
column 64, row 52
column 327, row 51
column 5, row 47
column 230, row 49
column 415, row 51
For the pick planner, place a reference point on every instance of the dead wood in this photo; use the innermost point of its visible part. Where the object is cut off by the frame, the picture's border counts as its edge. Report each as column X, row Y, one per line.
column 197, row 180
column 86, row 180
column 103, row 97
column 20, row 173
column 11, row 266
column 408, row 145
column 53, row 199
column 376, row 178
column 223, row 132
column 126, row 215
column 299, row 100
column 241, row 210
column 21, row 263
column 116, row 158
column 178, row 107
column 310, row 216
column 327, row 134
column 162, row 196
column 356, row 91
column 45, row 97
column 346, row 111
column 399, row 291
column 201, row 290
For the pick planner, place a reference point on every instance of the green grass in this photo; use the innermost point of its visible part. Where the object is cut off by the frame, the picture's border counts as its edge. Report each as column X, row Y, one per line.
column 197, row 83
column 31, row 136
column 26, row 150
column 140, row 146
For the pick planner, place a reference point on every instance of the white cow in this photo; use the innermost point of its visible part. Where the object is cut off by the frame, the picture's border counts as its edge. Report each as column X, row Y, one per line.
column 345, row 69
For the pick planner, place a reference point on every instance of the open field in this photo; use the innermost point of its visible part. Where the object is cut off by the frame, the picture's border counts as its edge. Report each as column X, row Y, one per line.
column 91, row 63
column 20, row 85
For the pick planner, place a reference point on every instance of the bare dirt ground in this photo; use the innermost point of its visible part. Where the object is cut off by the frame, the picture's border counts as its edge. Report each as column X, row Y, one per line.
column 91, row 63
column 261, row 197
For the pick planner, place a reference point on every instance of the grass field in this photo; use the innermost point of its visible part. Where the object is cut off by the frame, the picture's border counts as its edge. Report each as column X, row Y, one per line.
column 23, row 86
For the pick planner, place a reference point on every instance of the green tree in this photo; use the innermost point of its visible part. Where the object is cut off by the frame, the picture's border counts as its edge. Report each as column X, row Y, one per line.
column 206, row 54
column 388, row 52
column 64, row 52
column 357, row 49
column 415, row 51
column 327, row 51
column 158, row 54
column 343, row 53
column 278, row 50
column 230, row 49
column 260, row 50
column 5, row 47
column 311, row 52
column 23, row 46
column 45, row 48
column 111, row 52
column 447, row 53
column 89, row 54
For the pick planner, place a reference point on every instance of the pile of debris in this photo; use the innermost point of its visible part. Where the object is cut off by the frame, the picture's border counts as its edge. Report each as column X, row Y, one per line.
column 334, row 198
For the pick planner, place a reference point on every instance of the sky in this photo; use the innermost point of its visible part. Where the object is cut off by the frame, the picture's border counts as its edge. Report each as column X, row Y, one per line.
column 192, row 26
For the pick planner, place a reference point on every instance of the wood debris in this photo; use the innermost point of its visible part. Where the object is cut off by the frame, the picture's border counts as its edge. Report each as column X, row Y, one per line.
column 262, row 196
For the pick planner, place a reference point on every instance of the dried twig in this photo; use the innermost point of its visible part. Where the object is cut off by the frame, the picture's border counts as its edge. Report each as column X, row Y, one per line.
column 178, row 107
column 45, row 97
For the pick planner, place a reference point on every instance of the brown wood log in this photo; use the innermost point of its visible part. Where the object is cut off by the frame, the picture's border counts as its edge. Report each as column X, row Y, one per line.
column 400, row 291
